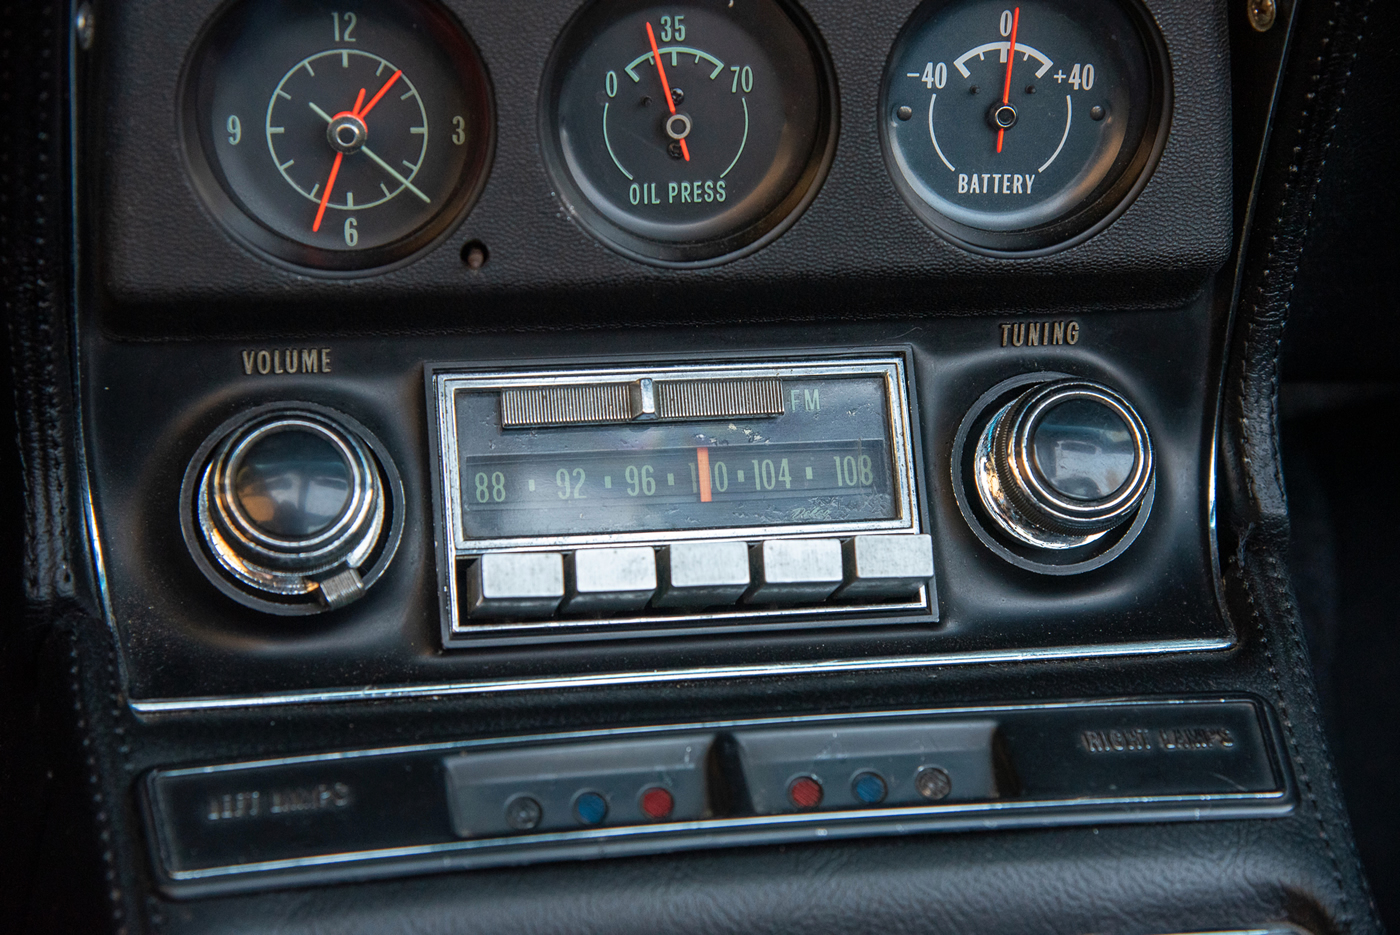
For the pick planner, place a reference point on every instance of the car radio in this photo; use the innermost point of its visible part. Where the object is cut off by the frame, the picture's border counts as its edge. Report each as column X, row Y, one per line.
column 585, row 503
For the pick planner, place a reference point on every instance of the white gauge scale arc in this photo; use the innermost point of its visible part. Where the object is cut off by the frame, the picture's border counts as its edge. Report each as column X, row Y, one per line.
column 405, row 182
column 1004, row 48
column 675, row 51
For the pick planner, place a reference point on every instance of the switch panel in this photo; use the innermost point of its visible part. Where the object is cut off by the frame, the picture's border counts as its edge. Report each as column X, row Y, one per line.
column 572, row 786
column 801, row 769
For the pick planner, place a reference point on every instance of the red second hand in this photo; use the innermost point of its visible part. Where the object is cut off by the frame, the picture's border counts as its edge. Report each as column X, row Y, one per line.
column 374, row 100
column 665, row 85
column 1010, row 53
column 326, row 196
column 335, row 168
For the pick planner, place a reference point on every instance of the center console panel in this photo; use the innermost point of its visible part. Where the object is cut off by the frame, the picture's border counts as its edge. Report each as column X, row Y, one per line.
column 523, row 548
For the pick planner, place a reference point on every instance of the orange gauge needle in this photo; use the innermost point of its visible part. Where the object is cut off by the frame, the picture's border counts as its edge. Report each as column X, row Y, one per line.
column 326, row 195
column 665, row 85
column 335, row 169
column 1010, row 54
column 359, row 111
column 395, row 77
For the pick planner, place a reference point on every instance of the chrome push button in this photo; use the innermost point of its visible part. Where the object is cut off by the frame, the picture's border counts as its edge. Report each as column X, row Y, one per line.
column 1062, row 464
column 515, row 584
column 886, row 566
column 702, row 574
column 611, row 580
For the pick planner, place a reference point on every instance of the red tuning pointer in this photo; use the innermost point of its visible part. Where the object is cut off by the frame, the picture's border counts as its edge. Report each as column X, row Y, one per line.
column 665, row 85
column 1010, row 54
column 358, row 111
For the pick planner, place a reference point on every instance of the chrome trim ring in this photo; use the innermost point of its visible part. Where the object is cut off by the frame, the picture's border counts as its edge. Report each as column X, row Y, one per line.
column 280, row 566
column 1019, row 498
column 240, row 525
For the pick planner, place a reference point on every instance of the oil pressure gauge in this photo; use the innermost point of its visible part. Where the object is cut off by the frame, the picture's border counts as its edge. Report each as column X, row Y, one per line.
column 337, row 139
column 1024, row 127
column 686, row 133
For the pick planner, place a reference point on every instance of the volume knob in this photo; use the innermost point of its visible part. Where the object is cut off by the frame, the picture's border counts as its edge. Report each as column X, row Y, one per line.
column 1063, row 464
column 292, row 505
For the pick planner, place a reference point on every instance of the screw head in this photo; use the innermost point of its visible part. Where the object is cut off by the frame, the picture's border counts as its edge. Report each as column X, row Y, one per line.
column 84, row 26
column 1262, row 14
column 933, row 783
column 904, row 113
column 523, row 813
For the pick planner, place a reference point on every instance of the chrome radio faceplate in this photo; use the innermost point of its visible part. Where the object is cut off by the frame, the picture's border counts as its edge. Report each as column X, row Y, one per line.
column 622, row 501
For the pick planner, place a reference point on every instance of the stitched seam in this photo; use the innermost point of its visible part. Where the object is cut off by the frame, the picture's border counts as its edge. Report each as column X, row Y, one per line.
column 101, row 818
column 1279, row 580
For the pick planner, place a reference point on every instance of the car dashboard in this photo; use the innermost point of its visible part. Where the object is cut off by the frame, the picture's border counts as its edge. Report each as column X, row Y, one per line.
column 727, row 465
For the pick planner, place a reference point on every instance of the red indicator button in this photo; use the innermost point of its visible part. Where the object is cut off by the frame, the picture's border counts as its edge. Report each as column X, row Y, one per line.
column 805, row 792
column 657, row 803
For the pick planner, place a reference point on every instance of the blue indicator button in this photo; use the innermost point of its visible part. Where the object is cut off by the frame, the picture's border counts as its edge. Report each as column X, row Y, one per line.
column 869, row 788
column 590, row 808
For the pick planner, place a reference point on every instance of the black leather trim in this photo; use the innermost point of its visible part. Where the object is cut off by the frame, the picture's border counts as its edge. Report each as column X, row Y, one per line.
column 1255, row 508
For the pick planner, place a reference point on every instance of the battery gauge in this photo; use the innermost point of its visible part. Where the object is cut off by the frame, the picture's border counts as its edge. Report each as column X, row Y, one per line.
column 1025, row 127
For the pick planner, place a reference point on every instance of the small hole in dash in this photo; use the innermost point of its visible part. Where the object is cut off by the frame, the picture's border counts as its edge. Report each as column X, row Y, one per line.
column 475, row 255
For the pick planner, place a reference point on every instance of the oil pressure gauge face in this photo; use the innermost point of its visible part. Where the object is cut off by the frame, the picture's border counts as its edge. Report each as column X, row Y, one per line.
column 337, row 139
column 687, row 133
column 1023, row 128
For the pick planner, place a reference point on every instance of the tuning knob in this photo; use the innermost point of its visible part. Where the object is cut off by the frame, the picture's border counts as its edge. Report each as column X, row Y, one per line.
column 292, row 504
column 1063, row 464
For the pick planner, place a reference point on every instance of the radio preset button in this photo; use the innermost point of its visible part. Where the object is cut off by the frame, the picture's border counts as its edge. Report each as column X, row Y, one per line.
column 702, row 574
column 513, row 584
column 887, row 566
column 611, row 580
column 795, row 571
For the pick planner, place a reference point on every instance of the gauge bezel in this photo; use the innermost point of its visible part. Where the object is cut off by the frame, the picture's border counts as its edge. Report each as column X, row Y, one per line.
column 1112, row 197
column 243, row 226
column 697, row 254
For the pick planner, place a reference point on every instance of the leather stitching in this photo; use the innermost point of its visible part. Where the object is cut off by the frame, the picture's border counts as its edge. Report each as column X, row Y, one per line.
column 102, row 819
column 1267, row 313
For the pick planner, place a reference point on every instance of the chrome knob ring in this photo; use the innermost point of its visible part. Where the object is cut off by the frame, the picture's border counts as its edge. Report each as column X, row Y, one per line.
column 1063, row 464
column 291, row 505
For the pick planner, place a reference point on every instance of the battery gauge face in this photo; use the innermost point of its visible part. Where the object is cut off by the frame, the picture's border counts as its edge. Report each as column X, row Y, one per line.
column 337, row 139
column 688, row 132
column 1015, row 128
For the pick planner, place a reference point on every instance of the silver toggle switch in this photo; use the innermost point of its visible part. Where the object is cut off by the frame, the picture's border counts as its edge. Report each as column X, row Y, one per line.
column 515, row 584
column 795, row 571
column 611, row 580
column 893, row 566
column 702, row 574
